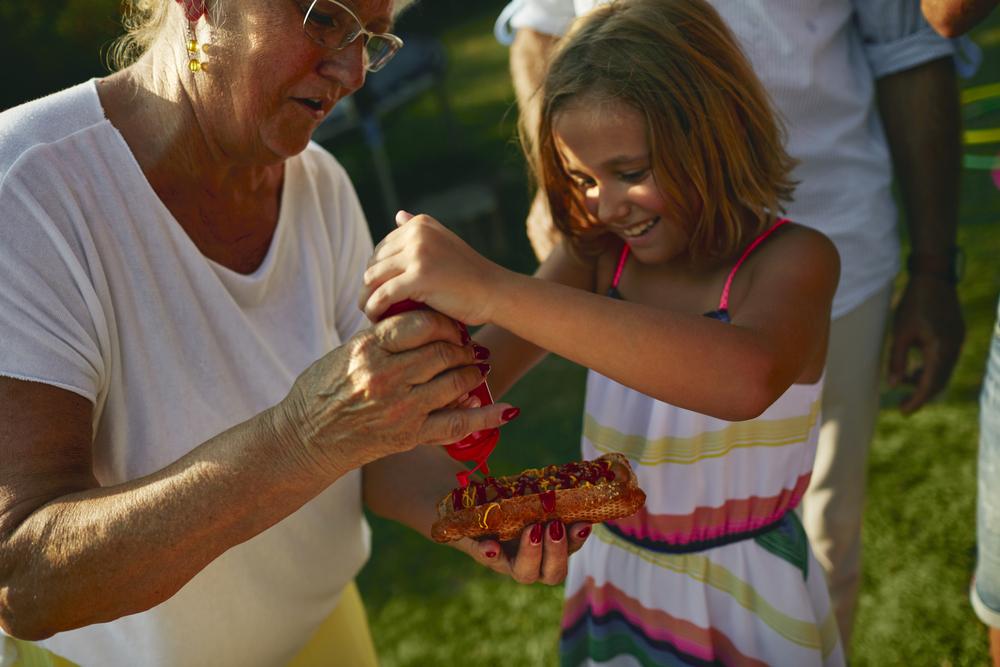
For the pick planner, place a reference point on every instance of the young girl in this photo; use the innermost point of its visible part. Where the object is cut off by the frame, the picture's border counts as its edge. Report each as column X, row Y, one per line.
column 703, row 317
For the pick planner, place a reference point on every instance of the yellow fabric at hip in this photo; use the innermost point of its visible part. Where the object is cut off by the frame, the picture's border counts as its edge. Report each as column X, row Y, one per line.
column 342, row 640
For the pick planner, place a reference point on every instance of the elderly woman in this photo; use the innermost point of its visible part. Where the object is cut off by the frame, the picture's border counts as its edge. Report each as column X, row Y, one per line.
column 191, row 408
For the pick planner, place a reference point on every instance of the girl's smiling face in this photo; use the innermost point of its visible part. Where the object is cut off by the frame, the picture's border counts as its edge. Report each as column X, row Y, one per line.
column 606, row 154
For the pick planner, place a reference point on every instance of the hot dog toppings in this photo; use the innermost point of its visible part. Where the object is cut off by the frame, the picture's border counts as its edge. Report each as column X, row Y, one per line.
column 544, row 481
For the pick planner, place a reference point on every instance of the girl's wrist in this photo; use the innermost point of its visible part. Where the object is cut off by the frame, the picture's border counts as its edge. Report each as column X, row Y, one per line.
column 504, row 296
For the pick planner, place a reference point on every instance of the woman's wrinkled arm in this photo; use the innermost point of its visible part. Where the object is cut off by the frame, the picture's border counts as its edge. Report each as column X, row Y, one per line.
column 73, row 553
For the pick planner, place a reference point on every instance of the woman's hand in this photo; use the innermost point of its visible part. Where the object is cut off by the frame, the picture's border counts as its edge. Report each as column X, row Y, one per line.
column 424, row 261
column 540, row 555
column 392, row 387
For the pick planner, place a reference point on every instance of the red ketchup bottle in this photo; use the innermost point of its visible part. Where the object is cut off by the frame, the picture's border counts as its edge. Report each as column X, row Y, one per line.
column 475, row 447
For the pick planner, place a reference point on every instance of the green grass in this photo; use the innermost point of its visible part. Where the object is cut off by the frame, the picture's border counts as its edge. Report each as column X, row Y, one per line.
column 429, row 605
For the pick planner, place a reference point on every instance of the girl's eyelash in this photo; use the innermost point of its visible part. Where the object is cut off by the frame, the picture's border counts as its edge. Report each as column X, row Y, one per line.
column 635, row 176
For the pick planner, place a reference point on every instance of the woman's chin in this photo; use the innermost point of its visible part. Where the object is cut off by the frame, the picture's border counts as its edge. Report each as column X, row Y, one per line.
column 287, row 146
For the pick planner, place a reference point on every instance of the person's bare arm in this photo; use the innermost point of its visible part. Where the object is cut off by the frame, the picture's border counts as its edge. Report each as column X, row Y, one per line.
column 73, row 553
column 926, row 152
column 66, row 543
column 529, row 60
column 729, row 371
column 953, row 18
column 513, row 356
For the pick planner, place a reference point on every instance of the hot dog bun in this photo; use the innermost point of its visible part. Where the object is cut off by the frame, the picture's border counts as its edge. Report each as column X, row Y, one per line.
column 592, row 491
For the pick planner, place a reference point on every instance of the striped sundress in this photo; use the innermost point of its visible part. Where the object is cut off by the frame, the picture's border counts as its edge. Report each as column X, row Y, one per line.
column 716, row 568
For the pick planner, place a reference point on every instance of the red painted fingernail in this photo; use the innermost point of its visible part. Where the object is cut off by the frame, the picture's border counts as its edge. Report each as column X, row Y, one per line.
column 484, row 369
column 480, row 352
column 490, row 554
column 556, row 531
column 536, row 534
column 583, row 532
column 466, row 338
column 510, row 414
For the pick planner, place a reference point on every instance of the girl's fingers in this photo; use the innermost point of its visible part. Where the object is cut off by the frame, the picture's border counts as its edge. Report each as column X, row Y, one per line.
column 391, row 290
column 403, row 217
column 412, row 330
column 394, row 242
column 375, row 276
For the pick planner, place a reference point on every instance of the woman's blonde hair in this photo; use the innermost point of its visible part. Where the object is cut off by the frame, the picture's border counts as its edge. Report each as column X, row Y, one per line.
column 144, row 20
column 716, row 143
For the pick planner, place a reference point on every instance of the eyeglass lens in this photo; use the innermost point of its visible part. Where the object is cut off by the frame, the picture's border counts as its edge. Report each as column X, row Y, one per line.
column 331, row 25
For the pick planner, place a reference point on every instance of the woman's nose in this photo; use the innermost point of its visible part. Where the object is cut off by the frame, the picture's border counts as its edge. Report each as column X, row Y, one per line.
column 346, row 66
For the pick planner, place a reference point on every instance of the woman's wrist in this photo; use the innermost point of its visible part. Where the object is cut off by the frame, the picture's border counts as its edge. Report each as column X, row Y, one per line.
column 291, row 448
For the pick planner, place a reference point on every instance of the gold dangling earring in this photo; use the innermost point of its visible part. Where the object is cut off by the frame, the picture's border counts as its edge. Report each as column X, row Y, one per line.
column 195, row 64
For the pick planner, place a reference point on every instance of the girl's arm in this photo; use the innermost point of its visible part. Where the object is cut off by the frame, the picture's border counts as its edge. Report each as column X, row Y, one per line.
column 512, row 356
column 732, row 371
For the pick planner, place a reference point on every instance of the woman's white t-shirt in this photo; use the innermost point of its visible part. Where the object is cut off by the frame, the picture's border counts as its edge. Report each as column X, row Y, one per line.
column 102, row 293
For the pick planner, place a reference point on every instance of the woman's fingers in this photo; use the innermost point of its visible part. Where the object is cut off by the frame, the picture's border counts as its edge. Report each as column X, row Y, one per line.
column 403, row 217
column 443, row 427
column 425, row 364
column 554, row 563
column 577, row 534
column 542, row 552
column 527, row 563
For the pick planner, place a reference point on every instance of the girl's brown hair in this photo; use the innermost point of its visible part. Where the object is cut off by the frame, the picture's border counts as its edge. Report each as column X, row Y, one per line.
column 716, row 143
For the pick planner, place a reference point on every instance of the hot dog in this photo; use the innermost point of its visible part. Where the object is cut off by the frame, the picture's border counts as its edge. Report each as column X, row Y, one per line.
column 592, row 491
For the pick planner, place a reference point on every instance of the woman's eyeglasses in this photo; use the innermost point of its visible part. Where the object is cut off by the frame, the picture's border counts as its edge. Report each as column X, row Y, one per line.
column 335, row 26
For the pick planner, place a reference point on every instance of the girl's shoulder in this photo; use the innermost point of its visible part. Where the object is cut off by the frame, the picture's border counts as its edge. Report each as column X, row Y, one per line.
column 796, row 243
column 795, row 256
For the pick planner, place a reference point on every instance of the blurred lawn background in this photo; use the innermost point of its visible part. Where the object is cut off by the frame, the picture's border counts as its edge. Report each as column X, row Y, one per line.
column 429, row 605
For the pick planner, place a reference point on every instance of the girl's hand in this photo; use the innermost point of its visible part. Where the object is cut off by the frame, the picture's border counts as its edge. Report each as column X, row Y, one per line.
column 540, row 555
column 424, row 261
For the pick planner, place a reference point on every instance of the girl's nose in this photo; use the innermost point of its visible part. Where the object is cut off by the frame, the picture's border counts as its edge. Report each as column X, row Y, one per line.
column 611, row 206
column 346, row 66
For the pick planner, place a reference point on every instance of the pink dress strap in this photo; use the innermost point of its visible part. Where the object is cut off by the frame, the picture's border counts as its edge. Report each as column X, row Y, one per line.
column 621, row 265
column 724, row 300
column 722, row 312
column 613, row 290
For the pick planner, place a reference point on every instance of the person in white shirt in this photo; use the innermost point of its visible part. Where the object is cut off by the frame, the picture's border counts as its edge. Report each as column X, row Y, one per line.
column 192, row 407
column 863, row 86
column 953, row 18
